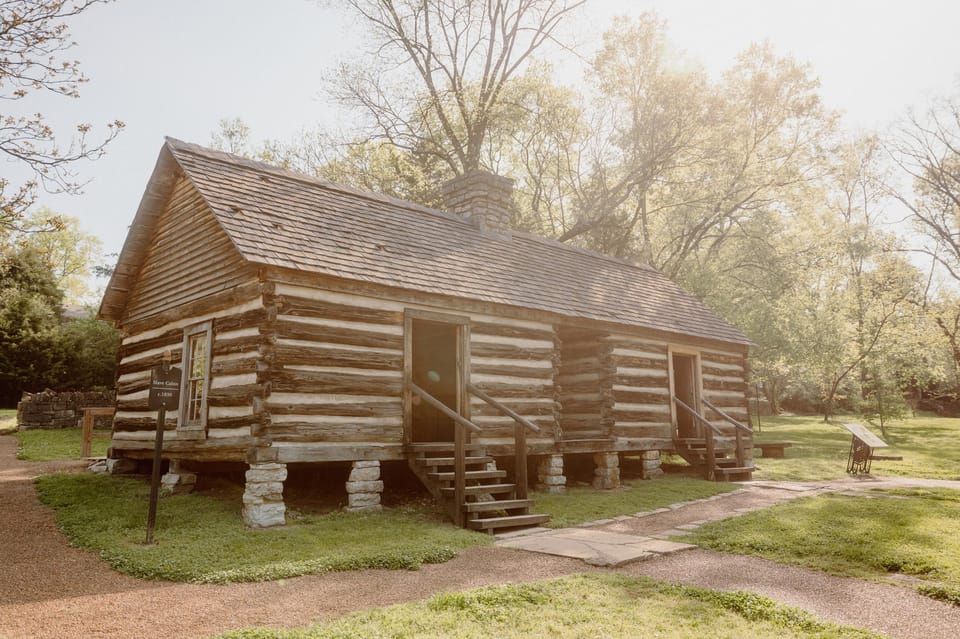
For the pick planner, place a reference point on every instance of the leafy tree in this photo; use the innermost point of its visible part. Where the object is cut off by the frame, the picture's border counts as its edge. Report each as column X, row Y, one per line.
column 31, row 355
column 34, row 37
column 945, row 314
column 69, row 253
column 91, row 348
column 40, row 349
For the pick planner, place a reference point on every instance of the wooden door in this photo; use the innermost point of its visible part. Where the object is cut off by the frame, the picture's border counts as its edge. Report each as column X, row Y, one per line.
column 685, row 389
column 436, row 361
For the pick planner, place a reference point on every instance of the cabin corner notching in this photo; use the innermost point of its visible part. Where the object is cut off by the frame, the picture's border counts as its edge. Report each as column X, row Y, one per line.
column 317, row 324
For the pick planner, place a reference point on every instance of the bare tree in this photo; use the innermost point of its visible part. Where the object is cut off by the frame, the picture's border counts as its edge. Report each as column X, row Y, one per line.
column 34, row 37
column 462, row 55
column 927, row 149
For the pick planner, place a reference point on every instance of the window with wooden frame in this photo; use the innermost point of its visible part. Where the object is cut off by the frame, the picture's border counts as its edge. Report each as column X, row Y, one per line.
column 196, row 377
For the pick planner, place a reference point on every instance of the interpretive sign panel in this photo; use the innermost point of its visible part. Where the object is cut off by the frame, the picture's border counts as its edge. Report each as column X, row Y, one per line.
column 164, row 388
column 860, row 432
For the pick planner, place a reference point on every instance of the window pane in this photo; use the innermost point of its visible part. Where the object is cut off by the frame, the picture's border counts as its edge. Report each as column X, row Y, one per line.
column 196, row 371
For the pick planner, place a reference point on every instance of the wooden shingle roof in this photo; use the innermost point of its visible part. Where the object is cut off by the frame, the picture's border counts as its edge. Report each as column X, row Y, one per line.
column 280, row 218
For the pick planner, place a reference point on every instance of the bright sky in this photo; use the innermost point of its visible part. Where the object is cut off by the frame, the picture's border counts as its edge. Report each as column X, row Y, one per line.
column 178, row 67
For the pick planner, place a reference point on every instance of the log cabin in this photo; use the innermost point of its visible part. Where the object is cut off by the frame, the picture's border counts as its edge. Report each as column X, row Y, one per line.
column 315, row 323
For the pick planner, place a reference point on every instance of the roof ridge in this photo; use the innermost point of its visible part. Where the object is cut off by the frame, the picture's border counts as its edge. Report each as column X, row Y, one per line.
column 297, row 176
column 257, row 165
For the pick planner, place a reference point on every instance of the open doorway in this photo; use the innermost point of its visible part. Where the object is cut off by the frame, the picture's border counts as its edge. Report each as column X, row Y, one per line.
column 684, row 372
column 434, row 369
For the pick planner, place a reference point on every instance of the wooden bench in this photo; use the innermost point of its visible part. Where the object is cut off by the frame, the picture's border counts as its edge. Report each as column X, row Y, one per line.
column 886, row 457
column 772, row 449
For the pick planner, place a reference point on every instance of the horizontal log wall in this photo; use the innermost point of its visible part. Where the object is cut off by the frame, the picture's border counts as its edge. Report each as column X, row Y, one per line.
column 335, row 372
column 515, row 362
column 585, row 379
column 724, row 377
column 190, row 258
column 232, row 421
column 641, row 390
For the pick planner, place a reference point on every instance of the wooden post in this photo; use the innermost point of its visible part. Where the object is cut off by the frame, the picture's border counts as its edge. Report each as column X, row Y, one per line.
column 87, row 433
column 520, row 472
column 86, row 437
column 155, row 478
column 711, row 455
column 459, row 473
column 740, row 453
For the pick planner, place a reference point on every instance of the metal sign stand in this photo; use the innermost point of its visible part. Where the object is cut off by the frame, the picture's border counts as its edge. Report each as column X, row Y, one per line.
column 862, row 445
column 164, row 392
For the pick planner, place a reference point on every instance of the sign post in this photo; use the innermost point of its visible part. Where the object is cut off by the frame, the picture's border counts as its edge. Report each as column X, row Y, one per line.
column 164, row 393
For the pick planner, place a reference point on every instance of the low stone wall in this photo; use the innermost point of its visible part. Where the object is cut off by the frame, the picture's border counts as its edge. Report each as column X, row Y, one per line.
column 53, row 410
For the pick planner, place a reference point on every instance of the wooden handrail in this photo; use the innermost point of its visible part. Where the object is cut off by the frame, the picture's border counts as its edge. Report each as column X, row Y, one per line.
column 459, row 449
column 443, row 408
column 503, row 409
column 740, row 428
column 727, row 418
column 700, row 417
column 522, row 424
column 710, row 457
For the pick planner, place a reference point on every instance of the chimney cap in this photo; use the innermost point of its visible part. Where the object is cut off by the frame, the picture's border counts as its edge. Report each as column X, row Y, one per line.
column 486, row 199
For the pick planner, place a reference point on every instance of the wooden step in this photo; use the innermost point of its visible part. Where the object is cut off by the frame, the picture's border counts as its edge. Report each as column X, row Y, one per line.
column 470, row 474
column 734, row 470
column 510, row 521
column 497, row 504
column 491, row 489
column 719, row 450
column 449, row 461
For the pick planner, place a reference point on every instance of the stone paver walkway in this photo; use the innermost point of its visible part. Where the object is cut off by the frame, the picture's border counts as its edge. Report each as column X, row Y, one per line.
column 595, row 547
column 622, row 540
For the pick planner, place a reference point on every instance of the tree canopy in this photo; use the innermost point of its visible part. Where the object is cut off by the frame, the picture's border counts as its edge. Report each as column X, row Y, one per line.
column 744, row 188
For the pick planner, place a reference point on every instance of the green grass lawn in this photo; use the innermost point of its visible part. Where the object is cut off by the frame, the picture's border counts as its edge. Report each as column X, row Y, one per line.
column 588, row 605
column 913, row 532
column 930, row 447
column 203, row 540
column 578, row 505
column 60, row 444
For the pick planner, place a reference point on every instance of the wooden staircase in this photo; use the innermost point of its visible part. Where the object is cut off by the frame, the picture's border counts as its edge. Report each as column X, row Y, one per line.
column 489, row 503
column 725, row 464
column 711, row 453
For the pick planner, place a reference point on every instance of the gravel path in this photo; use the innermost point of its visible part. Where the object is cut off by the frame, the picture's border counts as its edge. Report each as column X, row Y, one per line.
column 889, row 610
column 51, row 590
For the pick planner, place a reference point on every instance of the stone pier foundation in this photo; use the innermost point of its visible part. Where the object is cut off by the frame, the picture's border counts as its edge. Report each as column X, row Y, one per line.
column 364, row 487
column 263, row 496
column 651, row 464
column 550, row 477
column 177, row 480
column 606, row 476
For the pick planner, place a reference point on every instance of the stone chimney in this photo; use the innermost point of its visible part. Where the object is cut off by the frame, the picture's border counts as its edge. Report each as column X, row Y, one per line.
column 483, row 198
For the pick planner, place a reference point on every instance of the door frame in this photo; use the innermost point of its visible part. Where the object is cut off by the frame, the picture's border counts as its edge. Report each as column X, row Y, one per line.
column 697, row 382
column 462, row 325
